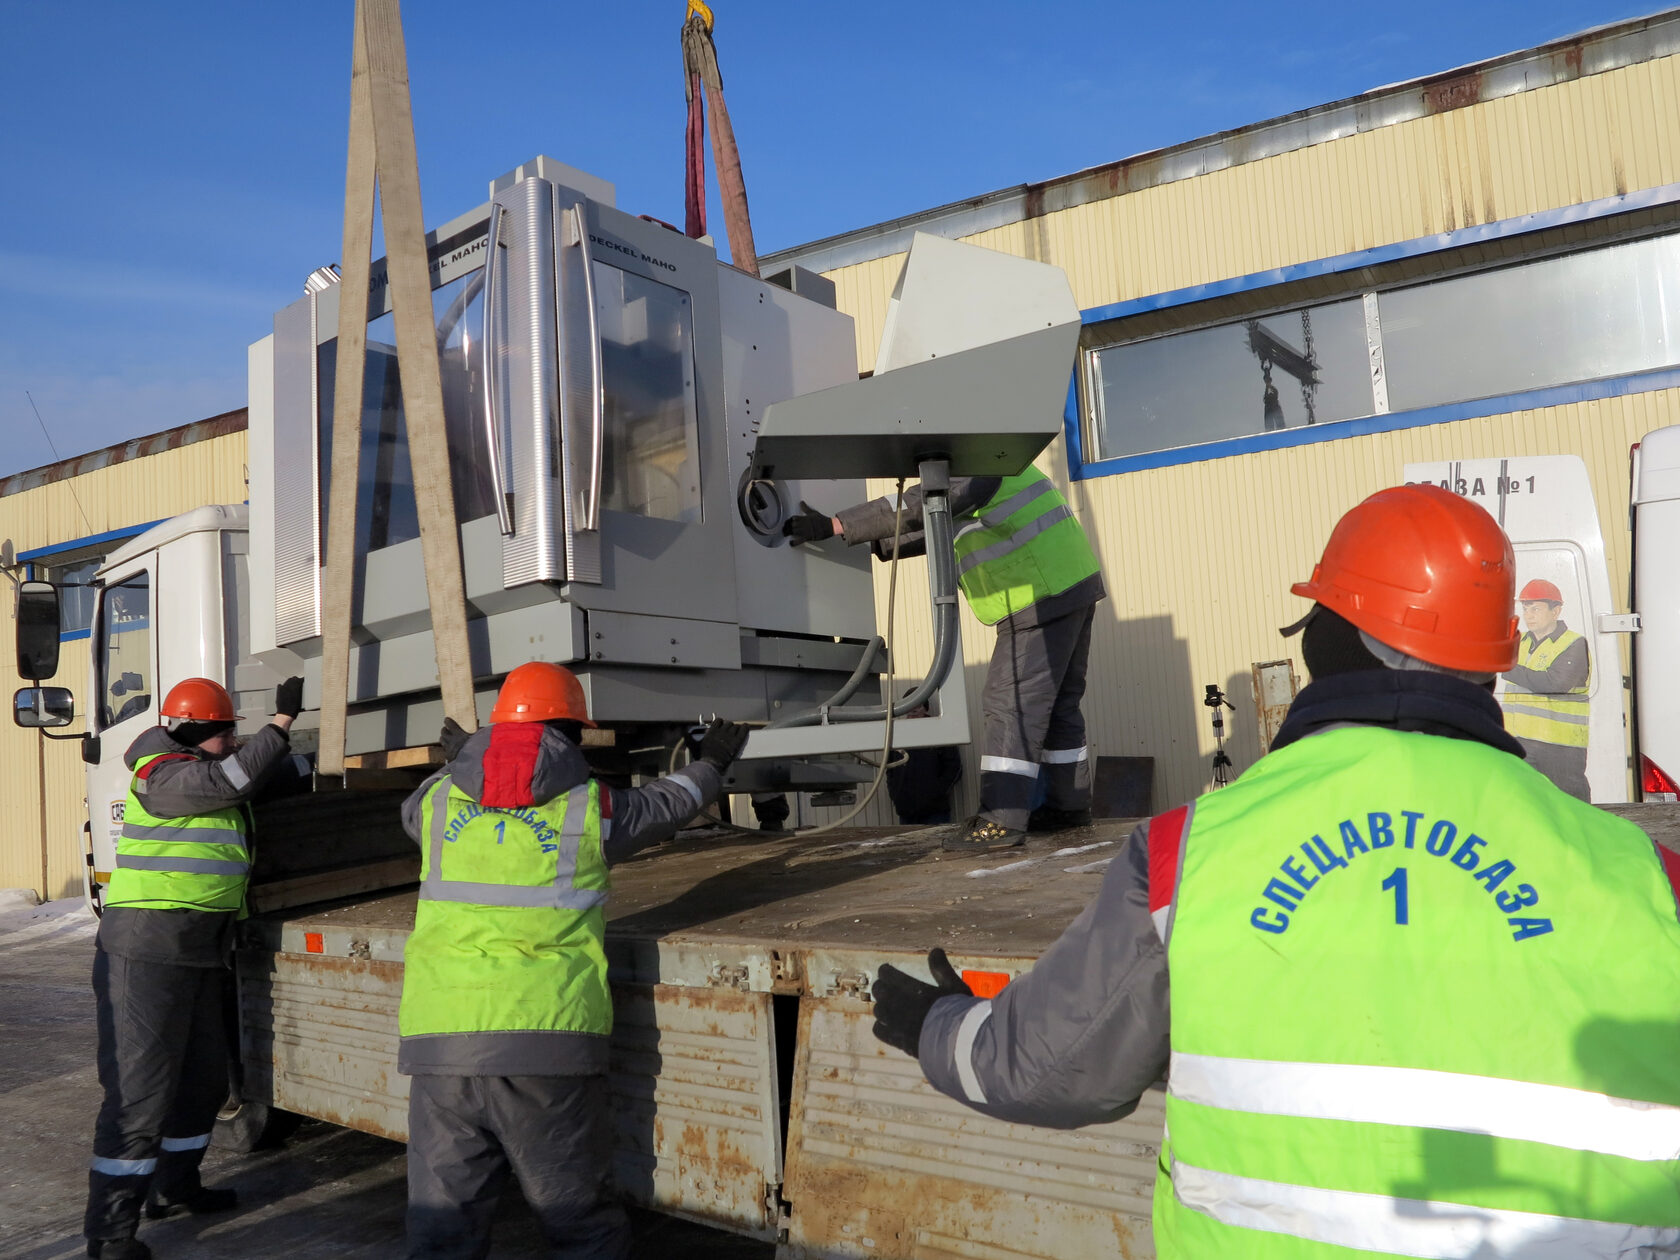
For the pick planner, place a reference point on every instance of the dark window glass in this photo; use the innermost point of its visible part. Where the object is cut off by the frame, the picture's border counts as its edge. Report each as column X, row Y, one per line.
column 124, row 685
column 1281, row 372
column 385, row 511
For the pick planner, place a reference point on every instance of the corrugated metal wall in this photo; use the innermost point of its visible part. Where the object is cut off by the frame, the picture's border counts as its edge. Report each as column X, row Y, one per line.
column 115, row 497
column 1199, row 557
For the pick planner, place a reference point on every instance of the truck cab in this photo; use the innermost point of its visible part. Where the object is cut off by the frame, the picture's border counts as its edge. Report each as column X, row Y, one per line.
column 171, row 604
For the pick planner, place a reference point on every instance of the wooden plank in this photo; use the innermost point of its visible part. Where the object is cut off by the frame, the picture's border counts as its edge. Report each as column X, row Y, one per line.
column 410, row 280
column 396, row 758
column 338, row 576
column 319, row 886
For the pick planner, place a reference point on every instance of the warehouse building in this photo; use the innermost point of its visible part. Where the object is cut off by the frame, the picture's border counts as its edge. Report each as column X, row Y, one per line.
column 57, row 524
column 1277, row 320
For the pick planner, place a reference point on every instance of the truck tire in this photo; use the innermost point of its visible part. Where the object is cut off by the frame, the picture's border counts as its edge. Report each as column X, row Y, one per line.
column 242, row 1127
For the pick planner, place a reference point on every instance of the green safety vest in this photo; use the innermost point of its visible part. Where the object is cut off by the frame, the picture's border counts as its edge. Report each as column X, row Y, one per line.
column 1423, row 1004
column 508, row 935
column 200, row 862
column 1559, row 718
column 1021, row 547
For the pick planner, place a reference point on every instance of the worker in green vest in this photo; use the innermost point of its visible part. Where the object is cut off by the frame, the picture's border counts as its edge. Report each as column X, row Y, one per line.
column 1409, row 998
column 160, row 967
column 1026, row 567
column 1545, row 697
column 505, row 1015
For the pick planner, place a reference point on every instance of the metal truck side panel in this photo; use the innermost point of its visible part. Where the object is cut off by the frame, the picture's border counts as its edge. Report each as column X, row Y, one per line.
column 880, row 1164
column 695, row 1104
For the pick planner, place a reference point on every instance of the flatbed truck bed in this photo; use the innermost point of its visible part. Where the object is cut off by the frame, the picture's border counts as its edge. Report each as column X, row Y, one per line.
column 748, row 1089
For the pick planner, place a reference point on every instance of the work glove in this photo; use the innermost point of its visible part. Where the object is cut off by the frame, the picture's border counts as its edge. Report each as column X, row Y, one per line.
column 809, row 525
column 288, row 698
column 722, row 743
column 902, row 1002
column 452, row 738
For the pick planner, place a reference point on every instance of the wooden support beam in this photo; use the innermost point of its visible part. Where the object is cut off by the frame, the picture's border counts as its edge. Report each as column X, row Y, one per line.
column 382, row 157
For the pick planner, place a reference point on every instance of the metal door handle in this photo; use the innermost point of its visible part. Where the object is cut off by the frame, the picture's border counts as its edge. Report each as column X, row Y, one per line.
column 487, row 349
column 597, row 403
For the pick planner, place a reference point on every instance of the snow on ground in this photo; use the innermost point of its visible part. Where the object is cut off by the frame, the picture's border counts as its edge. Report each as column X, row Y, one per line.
column 27, row 926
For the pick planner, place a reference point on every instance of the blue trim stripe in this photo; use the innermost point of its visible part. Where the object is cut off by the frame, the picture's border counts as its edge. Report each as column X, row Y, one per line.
column 92, row 540
column 1553, row 396
column 68, row 635
column 1539, row 221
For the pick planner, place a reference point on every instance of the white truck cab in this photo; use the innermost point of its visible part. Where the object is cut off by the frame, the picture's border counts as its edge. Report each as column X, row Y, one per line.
column 172, row 604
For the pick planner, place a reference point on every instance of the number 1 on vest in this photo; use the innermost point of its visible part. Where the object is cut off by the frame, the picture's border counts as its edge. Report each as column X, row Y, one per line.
column 1397, row 882
column 501, row 826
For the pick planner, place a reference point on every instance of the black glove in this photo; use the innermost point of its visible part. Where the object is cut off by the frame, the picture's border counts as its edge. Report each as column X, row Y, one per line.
column 809, row 525
column 288, row 698
column 453, row 738
column 722, row 743
column 902, row 1002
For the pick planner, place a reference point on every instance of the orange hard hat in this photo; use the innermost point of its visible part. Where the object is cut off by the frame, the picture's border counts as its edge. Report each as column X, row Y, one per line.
column 1426, row 572
column 1539, row 588
column 539, row 692
column 199, row 700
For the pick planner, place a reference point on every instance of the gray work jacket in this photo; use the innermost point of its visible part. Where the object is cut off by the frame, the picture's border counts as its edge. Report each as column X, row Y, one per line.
column 181, row 789
column 872, row 523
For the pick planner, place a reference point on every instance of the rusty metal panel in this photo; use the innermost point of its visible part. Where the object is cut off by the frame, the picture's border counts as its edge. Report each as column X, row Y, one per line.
column 882, row 1165
column 695, row 1105
column 319, row 1037
column 693, row 1071
column 1275, row 684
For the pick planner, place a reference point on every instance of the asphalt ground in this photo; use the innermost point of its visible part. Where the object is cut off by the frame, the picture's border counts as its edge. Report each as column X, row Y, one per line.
column 321, row 1192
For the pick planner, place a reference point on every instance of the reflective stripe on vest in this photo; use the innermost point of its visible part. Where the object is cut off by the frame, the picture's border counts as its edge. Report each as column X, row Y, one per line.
column 198, row 862
column 509, row 933
column 1550, row 718
column 1023, row 546
column 1447, row 1029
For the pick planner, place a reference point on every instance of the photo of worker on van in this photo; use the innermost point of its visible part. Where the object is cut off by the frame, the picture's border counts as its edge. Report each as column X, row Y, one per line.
column 1545, row 695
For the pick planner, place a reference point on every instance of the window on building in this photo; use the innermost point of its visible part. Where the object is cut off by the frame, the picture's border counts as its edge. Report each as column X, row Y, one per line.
column 1609, row 311
column 74, row 578
column 1281, row 372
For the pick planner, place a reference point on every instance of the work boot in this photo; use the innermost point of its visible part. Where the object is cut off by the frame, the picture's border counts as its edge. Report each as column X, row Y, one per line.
column 1049, row 818
column 118, row 1249
column 981, row 835
column 201, row 1202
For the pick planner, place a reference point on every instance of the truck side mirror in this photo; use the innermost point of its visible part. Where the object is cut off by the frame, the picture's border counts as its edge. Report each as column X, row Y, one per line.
column 43, row 706
column 37, row 633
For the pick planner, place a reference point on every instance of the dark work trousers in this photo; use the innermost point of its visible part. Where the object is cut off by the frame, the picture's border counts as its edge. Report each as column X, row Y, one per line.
column 1566, row 767
column 553, row 1133
column 1033, row 724
column 163, row 1064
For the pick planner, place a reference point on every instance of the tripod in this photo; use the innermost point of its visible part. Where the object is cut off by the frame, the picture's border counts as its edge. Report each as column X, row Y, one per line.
column 1222, row 764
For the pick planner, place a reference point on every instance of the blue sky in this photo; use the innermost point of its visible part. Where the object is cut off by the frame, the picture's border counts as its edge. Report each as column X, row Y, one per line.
column 170, row 173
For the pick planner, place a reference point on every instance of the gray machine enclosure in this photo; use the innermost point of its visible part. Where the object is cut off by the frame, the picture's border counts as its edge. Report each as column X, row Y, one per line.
column 663, row 619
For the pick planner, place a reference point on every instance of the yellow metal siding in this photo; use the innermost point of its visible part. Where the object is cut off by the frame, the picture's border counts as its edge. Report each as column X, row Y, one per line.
column 1555, row 146
column 1198, row 560
column 130, row 493
column 1199, row 557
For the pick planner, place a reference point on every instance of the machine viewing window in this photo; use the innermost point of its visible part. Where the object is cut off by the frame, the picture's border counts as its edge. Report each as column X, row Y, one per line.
column 651, row 462
column 124, row 685
column 385, row 510
column 1609, row 311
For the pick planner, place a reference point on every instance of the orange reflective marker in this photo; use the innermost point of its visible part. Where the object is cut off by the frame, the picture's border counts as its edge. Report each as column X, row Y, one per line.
column 313, row 944
column 986, row 984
